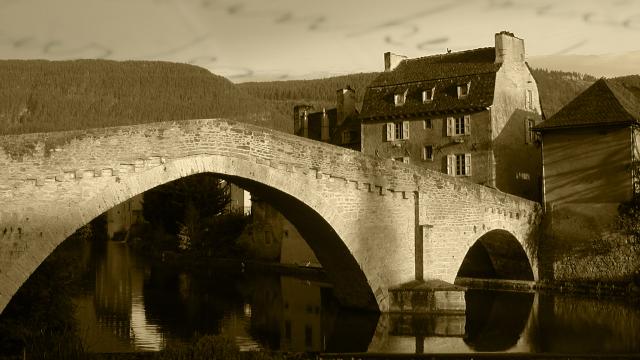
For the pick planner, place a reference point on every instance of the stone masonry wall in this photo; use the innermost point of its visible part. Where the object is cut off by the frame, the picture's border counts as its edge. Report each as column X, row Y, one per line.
column 581, row 245
column 53, row 183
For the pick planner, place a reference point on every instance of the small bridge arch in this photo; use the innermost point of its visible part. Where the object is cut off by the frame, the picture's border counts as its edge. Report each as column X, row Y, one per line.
column 497, row 254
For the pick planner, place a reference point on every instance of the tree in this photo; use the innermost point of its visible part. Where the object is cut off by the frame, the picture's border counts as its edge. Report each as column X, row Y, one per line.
column 185, row 206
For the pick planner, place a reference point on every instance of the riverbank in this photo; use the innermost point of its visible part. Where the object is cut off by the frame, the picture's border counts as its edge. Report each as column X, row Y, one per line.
column 206, row 265
column 625, row 291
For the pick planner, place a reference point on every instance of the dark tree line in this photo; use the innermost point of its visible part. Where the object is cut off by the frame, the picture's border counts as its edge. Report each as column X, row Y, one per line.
column 39, row 95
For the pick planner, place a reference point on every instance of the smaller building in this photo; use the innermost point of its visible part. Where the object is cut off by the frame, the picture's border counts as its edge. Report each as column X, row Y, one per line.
column 238, row 200
column 590, row 153
column 339, row 126
column 271, row 237
column 590, row 146
column 121, row 217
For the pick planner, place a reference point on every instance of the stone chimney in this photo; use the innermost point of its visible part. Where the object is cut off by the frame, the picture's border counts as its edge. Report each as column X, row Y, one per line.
column 324, row 126
column 392, row 60
column 509, row 49
column 300, row 121
column 345, row 104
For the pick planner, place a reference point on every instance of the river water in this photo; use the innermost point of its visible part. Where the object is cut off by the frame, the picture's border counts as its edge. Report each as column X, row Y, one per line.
column 134, row 305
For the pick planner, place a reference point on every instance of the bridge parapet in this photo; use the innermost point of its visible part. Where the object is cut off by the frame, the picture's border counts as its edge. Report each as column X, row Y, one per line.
column 38, row 159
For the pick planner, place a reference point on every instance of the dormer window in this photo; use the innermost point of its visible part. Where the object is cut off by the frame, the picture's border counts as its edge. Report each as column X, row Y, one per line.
column 427, row 95
column 463, row 90
column 399, row 99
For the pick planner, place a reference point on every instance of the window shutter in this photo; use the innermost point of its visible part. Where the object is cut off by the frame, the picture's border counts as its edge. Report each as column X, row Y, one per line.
column 467, row 164
column 451, row 164
column 405, row 130
column 450, row 126
column 424, row 153
column 526, row 131
column 390, row 132
column 467, row 124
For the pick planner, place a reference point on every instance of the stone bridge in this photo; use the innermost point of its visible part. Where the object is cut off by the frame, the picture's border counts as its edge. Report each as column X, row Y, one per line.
column 372, row 223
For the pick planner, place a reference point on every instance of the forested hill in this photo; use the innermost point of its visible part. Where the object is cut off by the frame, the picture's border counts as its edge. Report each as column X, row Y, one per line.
column 556, row 89
column 284, row 95
column 39, row 95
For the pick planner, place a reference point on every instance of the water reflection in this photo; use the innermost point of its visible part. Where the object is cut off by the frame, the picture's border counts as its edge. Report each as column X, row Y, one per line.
column 515, row 322
column 133, row 305
column 495, row 320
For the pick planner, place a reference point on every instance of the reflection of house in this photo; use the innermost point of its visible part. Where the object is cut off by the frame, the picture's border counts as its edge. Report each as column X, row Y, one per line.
column 339, row 126
column 122, row 216
column 302, row 326
column 270, row 236
column 468, row 114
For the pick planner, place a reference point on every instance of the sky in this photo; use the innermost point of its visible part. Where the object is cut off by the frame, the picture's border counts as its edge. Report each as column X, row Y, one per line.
column 260, row 40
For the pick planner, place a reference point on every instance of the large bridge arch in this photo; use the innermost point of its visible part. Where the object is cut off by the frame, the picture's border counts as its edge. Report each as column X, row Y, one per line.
column 312, row 214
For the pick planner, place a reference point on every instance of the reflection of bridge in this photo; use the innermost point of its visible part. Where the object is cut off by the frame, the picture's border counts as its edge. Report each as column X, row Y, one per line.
column 372, row 223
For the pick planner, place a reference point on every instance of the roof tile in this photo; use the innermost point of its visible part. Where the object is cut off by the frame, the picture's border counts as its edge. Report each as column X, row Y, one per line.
column 444, row 73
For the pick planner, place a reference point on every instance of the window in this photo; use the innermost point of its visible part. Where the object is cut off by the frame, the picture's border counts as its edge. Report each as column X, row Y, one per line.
column 460, row 125
column 427, row 95
column 287, row 329
column 529, row 135
column 308, row 336
column 459, row 164
column 349, row 136
column 397, row 131
column 403, row 159
column 399, row 99
column 426, row 124
column 427, row 152
column 528, row 101
column 463, row 90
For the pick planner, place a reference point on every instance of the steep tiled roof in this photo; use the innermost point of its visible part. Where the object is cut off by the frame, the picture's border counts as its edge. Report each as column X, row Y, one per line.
column 444, row 73
column 440, row 66
column 606, row 102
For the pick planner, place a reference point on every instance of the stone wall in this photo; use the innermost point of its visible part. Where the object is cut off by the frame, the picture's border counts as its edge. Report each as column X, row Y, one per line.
column 363, row 217
column 581, row 244
column 518, row 166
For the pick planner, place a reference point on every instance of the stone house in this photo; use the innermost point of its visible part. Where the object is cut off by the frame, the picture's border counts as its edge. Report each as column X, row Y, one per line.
column 467, row 114
column 339, row 126
column 271, row 237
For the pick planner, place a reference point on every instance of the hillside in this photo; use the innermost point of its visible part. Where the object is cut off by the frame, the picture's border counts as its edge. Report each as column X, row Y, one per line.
column 284, row 95
column 39, row 95
column 556, row 89
column 631, row 82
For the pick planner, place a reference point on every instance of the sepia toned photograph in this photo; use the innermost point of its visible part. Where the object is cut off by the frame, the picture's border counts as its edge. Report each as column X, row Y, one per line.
column 297, row 179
